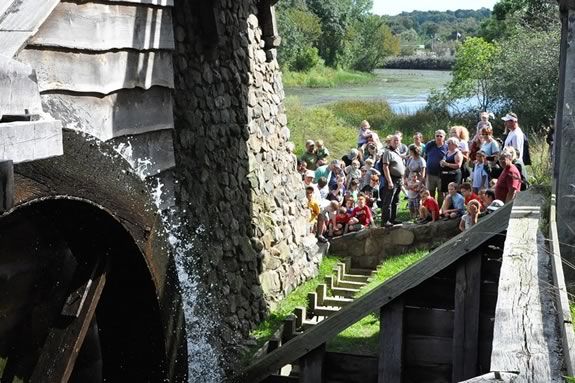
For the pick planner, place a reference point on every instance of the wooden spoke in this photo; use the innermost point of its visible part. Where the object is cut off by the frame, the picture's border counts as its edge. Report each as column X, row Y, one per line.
column 65, row 339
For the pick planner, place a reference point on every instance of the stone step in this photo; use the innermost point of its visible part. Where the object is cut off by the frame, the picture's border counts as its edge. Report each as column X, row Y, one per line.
column 314, row 308
column 340, row 270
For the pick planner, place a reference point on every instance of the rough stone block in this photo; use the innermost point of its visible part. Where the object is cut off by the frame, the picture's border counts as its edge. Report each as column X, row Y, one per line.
column 402, row 237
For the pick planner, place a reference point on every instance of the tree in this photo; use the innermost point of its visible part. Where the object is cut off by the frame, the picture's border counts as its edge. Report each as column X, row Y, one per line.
column 526, row 75
column 371, row 42
column 300, row 31
column 472, row 75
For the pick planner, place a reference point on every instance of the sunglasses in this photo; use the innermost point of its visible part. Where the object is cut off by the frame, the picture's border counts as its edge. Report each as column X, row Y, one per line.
column 439, row 135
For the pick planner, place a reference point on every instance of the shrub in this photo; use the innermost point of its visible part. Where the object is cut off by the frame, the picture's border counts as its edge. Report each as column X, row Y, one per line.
column 305, row 59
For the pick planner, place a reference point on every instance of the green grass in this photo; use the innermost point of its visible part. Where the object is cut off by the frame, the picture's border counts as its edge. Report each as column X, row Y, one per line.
column 362, row 337
column 325, row 77
column 297, row 298
column 336, row 124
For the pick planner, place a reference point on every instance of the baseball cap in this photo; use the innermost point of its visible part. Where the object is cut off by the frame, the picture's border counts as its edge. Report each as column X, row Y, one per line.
column 510, row 117
column 310, row 173
column 496, row 204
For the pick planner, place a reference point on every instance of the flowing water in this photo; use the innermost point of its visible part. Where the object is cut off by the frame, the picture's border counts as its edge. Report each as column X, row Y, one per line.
column 405, row 90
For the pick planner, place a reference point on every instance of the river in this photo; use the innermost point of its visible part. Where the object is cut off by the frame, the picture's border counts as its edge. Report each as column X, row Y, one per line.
column 405, row 90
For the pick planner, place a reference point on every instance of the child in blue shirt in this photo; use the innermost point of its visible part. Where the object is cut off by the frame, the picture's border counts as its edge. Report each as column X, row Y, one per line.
column 479, row 176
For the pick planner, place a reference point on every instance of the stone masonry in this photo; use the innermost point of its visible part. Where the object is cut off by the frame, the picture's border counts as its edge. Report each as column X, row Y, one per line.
column 242, row 195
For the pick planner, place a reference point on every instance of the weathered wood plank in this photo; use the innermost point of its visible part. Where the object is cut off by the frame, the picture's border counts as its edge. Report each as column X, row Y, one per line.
column 390, row 357
column 561, row 299
column 466, row 318
column 20, row 21
column 126, row 112
column 19, row 90
column 100, row 27
column 430, row 322
column 6, row 186
column 422, row 350
column 437, row 260
column 99, row 73
column 63, row 344
column 524, row 337
column 350, row 368
column 30, row 140
column 311, row 366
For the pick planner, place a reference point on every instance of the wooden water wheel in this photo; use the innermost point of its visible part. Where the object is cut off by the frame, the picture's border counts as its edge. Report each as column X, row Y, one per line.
column 87, row 288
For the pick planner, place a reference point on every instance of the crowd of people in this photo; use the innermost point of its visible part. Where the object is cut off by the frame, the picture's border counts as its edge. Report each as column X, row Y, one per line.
column 451, row 176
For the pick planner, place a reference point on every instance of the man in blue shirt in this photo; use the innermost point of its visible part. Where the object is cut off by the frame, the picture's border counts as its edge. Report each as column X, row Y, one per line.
column 435, row 151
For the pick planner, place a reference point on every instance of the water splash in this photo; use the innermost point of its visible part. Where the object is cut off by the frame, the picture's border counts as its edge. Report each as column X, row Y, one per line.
column 204, row 362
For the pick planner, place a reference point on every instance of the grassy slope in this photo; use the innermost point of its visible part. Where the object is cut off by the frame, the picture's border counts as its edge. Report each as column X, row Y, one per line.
column 362, row 337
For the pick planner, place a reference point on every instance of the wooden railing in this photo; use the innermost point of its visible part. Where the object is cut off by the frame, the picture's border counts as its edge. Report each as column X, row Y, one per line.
column 562, row 300
column 309, row 347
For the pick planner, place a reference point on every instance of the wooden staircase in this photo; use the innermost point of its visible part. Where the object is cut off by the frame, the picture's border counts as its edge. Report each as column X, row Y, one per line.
column 329, row 297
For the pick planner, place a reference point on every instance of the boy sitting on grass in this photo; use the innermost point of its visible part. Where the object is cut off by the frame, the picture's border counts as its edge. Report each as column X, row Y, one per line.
column 339, row 226
column 361, row 216
column 454, row 204
column 428, row 209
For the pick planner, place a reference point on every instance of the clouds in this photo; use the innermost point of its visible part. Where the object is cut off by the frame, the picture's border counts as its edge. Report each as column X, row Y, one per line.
column 390, row 7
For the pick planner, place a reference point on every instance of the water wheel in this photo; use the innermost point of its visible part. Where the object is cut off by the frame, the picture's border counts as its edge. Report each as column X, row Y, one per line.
column 87, row 288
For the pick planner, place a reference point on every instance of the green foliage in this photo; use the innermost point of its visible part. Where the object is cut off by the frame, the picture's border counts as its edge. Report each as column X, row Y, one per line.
column 321, row 76
column 473, row 71
column 305, row 59
column 526, row 75
column 420, row 62
column 300, row 30
column 351, row 113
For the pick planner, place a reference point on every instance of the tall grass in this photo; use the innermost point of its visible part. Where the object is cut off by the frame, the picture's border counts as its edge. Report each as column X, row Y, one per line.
column 321, row 76
column 336, row 124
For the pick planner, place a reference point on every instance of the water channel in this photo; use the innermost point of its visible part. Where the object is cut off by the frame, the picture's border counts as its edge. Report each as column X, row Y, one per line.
column 405, row 90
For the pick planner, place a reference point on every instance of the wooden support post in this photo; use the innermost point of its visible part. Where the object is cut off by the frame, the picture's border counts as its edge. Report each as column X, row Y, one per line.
column 311, row 366
column 390, row 356
column 6, row 185
column 321, row 293
column 311, row 303
column 289, row 330
column 301, row 315
column 63, row 343
column 466, row 318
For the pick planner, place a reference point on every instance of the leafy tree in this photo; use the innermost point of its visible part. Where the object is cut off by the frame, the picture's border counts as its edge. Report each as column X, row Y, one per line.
column 300, row 30
column 472, row 75
column 371, row 41
column 526, row 75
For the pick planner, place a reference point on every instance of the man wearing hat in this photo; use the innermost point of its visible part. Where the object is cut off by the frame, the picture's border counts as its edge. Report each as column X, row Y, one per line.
column 515, row 138
column 309, row 156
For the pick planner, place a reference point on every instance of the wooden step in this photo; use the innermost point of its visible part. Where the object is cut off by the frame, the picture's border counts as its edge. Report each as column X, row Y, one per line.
column 314, row 308
column 340, row 270
column 324, row 300
column 345, row 292
column 281, row 379
column 356, row 271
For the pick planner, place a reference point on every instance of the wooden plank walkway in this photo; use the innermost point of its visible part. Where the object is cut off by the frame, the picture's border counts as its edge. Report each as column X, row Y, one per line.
column 525, row 339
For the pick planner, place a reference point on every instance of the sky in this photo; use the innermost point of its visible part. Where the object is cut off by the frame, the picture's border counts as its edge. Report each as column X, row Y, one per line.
column 393, row 7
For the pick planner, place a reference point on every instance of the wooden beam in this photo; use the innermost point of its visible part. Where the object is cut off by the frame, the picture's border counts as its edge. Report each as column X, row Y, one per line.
column 440, row 258
column 163, row 3
column 311, row 366
column 466, row 318
column 64, row 342
column 100, row 73
column 561, row 298
column 525, row 334
column 101, row 27
column 6, row 185
column 390, row 363
column 19, row 88
column 126, row 112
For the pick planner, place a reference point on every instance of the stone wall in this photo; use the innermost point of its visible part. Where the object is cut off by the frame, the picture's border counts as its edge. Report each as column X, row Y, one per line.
column 369, row 247
column 237, row 181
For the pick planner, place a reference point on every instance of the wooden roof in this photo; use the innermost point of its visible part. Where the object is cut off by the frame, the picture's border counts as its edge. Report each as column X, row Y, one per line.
column 20, row 20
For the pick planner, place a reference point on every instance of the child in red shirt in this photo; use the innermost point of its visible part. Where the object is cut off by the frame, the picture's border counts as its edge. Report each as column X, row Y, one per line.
column 468, row 194
column 339, row 226
column 429, row 209
column 360, row 216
